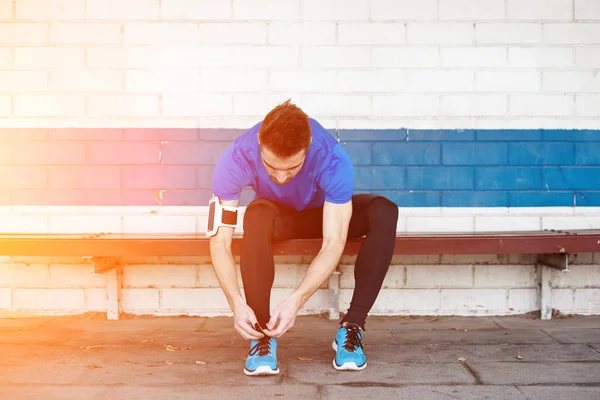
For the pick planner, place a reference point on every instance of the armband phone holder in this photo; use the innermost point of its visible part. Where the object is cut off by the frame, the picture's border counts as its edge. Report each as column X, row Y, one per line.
column 220, row 215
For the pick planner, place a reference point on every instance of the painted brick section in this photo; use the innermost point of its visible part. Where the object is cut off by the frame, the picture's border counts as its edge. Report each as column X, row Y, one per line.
column 71, row 33
column 6, row 9
column 562, row 300
column 23, row 81
column 439, row 276
column 75, row 276
column 97, row 299
column 159, row 178
column 5, row 298
column 508, row 178
column 474, row 153
column 474, row 301
column 587, row 10
column 205, row 300
column 84, row 177
column 403, row 10
column 46, row 153
column 195, row 9
column 587, row 301
column 572, row 178
column 140, row 300
column 159, row 276
column 406, row 153
column 541, row 153
column 17, row 34
column 515, row 276
column 50, row 10
column 40, row 105
column 540, row 10
column 116, row 9
column 65, row 300
column 471, row 10
column 523, row 300
column 49, row 57
column 22, row 275
column 122, row 153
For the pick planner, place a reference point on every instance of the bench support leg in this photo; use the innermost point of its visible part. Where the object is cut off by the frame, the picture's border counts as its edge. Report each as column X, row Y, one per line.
column 114, row 279
column 546, row 293
column 548, row 262
column 334, row 293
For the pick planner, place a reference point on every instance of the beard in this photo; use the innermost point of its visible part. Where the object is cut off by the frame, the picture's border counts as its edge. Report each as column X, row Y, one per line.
column 281, row 183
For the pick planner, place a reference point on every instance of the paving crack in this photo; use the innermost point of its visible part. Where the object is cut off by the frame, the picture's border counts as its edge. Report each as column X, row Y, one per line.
column 472, row 372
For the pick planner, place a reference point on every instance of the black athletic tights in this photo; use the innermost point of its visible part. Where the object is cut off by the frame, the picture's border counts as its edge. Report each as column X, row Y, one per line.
column 373, row 216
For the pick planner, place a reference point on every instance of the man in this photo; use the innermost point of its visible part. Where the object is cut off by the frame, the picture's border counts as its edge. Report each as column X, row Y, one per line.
column 303, row 181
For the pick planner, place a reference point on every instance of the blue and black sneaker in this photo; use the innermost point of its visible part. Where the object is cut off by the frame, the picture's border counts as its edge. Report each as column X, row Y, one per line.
column 349, row 354
column 262, row 358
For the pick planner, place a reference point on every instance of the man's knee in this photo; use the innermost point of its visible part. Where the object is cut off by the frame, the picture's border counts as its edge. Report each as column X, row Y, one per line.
column 383, row 211
column 259, row 214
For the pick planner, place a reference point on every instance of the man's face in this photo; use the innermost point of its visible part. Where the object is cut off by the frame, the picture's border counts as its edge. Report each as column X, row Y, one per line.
column 282, row 170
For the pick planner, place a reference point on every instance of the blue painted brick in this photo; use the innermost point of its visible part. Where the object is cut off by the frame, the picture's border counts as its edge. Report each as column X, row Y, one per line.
column 588, row 199
column 587, row 153
column 509, row 134
column 439, row 135
column 573, row 178
column 439, row 178
column 506, row 178
column 199, row 153
column 540, row 199
column 404, row 153
column 364, row 135
column 474, row 153
column 577, row 135
column 205, row 176
column 556, row 153
column 379, row 178
column 359, row 152
column 413, row 199
column 223, row 134
column 475, row 199
column 388, row 178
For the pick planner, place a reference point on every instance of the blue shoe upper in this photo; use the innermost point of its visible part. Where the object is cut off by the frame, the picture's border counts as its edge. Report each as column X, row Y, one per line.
column 262, row 352
column 349, row 345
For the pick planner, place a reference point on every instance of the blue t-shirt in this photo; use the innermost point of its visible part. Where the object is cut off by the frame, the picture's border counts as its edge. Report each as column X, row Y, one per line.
column 326, row 175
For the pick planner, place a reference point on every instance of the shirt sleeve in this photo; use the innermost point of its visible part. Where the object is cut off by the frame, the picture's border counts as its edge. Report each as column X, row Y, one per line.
column 232, row 174
column 337, row 178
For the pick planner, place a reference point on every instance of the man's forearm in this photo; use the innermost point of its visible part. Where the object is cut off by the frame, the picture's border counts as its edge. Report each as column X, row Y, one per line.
column 224, row 266
column 320, row 269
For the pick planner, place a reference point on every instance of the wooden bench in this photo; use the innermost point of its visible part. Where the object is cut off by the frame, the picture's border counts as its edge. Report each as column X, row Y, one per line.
column 105, row 251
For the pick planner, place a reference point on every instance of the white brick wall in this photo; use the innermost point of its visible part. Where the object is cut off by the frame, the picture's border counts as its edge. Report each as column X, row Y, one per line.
column 274, row 51
column 204, row 63
column 424, row 285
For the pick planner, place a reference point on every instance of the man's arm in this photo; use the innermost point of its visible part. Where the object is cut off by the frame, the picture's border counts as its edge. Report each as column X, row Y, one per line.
column 336, row 219
column 224, row 266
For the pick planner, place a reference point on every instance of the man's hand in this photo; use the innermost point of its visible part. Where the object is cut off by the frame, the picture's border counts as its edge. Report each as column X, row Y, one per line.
column 244, row 320
column 286, row 313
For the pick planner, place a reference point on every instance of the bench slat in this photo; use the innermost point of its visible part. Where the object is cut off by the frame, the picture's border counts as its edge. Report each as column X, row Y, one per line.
column 109, row 245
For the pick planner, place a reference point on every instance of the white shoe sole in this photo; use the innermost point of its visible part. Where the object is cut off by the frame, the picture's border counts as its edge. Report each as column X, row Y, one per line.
column 347, row 366
column 262, row 370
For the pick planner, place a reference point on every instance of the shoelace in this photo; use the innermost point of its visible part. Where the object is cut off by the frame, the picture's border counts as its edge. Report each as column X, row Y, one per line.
column 352, row 339
column 263, row 346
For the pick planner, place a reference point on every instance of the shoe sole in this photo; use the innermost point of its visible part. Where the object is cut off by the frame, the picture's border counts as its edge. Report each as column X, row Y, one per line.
column 262, row 370
column 347, row 366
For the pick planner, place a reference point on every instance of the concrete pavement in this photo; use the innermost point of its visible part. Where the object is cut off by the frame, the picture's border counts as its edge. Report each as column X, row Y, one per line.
column 88, row 357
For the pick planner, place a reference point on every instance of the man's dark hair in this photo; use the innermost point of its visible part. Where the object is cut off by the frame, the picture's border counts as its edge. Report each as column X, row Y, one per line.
column 285, row 131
